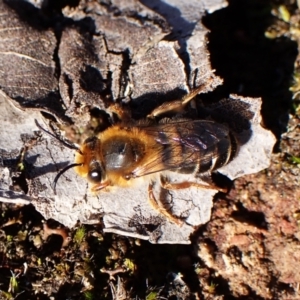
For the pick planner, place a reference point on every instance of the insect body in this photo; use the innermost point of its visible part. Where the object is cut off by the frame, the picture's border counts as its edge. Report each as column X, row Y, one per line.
column 128, row 151
column 119, row 155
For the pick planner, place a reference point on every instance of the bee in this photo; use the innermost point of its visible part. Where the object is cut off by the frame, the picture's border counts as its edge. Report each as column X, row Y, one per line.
column 129, row 151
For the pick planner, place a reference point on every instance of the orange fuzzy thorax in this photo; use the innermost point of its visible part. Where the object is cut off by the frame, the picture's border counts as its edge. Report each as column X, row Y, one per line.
column 116, row 177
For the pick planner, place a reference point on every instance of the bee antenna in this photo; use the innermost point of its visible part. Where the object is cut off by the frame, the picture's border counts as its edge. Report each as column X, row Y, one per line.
column 61, row 172
column 68, row 145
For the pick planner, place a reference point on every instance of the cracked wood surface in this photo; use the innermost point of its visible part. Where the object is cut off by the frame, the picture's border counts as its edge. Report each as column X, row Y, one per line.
column 108, row 54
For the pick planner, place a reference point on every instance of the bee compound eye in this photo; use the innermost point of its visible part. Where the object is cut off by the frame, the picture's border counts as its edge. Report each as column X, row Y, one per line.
column 95, row 172
column 94, row 176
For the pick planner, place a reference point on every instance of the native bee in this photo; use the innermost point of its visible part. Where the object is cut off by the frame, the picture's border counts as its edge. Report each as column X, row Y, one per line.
column 129, row 151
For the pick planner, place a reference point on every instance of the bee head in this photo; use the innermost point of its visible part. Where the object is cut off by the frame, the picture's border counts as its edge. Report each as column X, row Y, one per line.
column 88, row 161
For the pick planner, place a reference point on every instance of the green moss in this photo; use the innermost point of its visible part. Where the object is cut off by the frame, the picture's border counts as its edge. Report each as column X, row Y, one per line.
column 79, row 235
column 151, row 296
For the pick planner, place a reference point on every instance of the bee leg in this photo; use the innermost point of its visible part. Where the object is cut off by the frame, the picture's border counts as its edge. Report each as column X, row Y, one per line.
column 178, row 105
column 100, row 186
column 187, row 184
column 121, row 113
column 157, row 205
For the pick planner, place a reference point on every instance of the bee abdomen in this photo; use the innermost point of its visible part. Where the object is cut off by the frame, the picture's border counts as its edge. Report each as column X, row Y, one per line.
column 224, row 152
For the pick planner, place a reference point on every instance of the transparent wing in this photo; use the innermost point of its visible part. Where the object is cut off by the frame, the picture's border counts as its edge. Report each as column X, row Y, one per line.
column 183, row 144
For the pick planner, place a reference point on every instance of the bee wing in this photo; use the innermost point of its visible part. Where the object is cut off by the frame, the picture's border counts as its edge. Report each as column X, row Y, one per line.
column 184, row 144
